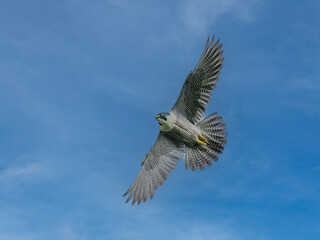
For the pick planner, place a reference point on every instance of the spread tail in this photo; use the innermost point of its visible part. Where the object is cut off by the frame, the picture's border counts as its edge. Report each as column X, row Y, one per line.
column 213, row 131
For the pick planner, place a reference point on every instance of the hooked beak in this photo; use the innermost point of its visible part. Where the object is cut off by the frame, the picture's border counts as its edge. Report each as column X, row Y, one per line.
column 161, row 116
column 158, row 119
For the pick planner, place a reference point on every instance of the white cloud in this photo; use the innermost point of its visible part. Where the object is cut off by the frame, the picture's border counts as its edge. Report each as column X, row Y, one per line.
column 68, row 232
column 205, row 231
column 189, row 229
column 199, row 14
column 23, row 173
column 17, row 236
column 309, row 82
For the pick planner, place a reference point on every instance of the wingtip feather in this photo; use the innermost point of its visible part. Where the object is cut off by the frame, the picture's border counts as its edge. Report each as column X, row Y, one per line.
column 126, row 193
column 212, row 39
column 208, row 41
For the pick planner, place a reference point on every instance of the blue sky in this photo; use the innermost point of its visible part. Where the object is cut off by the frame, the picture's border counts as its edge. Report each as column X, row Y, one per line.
column 81, row 82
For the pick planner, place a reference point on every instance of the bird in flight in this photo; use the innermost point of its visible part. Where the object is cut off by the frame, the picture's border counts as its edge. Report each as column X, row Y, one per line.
column 183, row 131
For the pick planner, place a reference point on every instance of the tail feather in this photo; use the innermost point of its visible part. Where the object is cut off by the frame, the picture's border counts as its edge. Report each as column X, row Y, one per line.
column 199, row 156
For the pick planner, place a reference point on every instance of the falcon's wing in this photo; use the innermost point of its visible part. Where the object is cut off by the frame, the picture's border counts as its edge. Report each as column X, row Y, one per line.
column 196, row 91
column 156, row 165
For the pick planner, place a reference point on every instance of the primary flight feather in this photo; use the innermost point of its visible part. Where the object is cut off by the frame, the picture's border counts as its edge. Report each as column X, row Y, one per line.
column 182, row 131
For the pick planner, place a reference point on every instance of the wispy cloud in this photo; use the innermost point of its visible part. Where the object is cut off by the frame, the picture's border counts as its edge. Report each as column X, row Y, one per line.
column 25, row 171
column 184, row 229
column 68, row 233
column 206, row 231
column 198, row 15
column 310, row 82
column 22, row 174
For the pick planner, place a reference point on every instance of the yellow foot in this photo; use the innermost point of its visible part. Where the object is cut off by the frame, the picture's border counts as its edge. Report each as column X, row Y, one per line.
column 201, row 143
column 202, row 140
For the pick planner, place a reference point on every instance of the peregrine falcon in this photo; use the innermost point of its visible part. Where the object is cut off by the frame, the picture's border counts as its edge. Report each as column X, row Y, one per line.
column 183, row 131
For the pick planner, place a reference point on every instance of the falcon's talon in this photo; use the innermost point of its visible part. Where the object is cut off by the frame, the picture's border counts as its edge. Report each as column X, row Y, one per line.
column 201, row 142
column 202, row 138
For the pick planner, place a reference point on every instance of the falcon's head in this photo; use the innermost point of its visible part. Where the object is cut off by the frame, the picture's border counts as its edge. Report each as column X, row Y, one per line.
column 162, row 118
column 165, row 121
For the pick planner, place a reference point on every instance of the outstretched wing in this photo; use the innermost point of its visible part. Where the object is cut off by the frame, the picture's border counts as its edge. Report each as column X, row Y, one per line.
column 156, row 165
column 196, row 91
